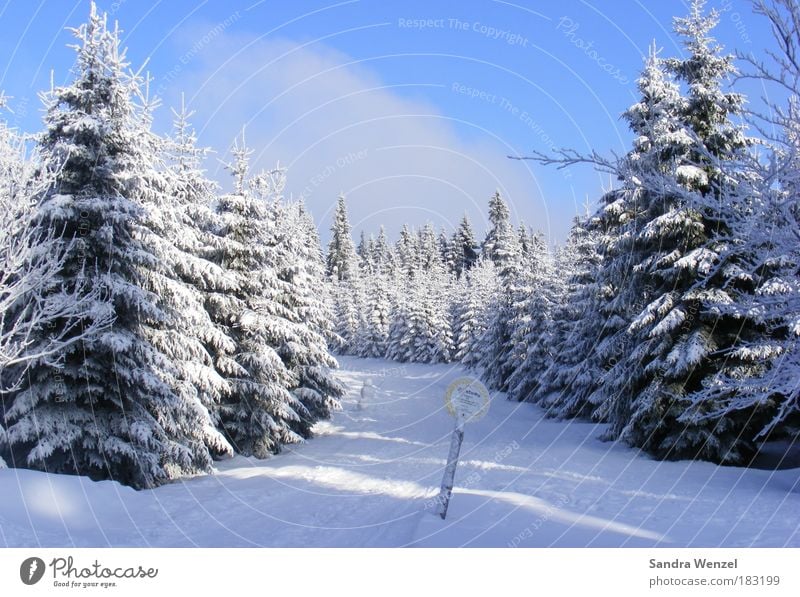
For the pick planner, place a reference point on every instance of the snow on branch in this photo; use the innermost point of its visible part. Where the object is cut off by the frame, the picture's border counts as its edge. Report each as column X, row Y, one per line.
column 30, row 261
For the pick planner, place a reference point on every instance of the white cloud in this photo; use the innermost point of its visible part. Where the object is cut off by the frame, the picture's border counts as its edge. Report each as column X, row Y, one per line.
column 338, row 127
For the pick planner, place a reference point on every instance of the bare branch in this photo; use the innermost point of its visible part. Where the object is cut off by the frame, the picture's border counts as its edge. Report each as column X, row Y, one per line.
column 565, row 158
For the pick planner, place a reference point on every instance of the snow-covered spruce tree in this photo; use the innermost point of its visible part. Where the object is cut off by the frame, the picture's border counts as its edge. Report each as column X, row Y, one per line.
column 179, row 226
column 398, row 343
column 606, row 316
column 501, row 246
column 765, row 382
column 347, row 298
column 260, row 412
column 538, row 292
column 754, row 389
column 383, row 254
column 321, row 317
column 774, row 391
column 526, row 240
column 479, row 289
column 373, row 335
column 106, row 406
column 30, row 262
column 660, row 147
column 430, row 316
column 636, row 225
column 430, row 256
column 407, row 253
column 299, row 333
column 464, row 247
column 685, row 266
column 420, row 328
column 447, row 253
column 567, row 381
column 364, row 253
column 343, row 272
column 342, row 259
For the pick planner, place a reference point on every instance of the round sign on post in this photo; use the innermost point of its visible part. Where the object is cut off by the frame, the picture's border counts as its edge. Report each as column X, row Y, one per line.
column 467, row 399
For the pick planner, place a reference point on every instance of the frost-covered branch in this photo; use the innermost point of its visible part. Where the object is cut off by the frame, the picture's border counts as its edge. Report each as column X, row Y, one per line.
column 784, row 19
column 30, row 259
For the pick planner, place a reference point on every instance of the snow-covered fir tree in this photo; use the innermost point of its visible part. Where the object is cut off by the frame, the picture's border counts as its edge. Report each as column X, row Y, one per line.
column 107, row 408
column 660, row 145
column 383, row 254
column 447, row 251
column 342, row 263
column 398, row 342
column 179, row 226
column 373, row 334
column 684, row 259
column 30, row 298
column 300, row 332
column 567, row 381
column 407, row 252
column 430, row 316
column 538, row 292
column 364, row 252
column 342, row 259
column 762, row 381
column 347, row 298
column 501, row 246
column 476, row 294
column 260, row 412
column 464, row 248
column 430, row 256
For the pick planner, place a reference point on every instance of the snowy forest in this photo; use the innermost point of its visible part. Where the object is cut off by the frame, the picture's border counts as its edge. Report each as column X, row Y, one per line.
column 153, row 323
column 671, row 313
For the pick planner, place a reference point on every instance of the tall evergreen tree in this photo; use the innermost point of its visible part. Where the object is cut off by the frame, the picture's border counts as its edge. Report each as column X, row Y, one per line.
column 107, row 408
column 479, row 288
column 342, row 260
column 761, row 379
column 430, row 256
column 179, row 228
column 260, row 413
column 31, row 300
column 501, row 246
column 684, row 265
column 373, row 336
column 343, row 271
column 465, row 248
column 568, row 381
column 539, row 290
column 447, row 253
column 300, row 334
column 407, row 252
column 383, row 255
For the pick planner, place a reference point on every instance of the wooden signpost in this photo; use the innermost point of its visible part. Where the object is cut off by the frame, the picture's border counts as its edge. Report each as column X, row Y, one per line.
column 467, row 400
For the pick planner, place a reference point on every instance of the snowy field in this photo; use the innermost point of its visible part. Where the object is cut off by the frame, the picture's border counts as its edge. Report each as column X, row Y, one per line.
column 369, row 478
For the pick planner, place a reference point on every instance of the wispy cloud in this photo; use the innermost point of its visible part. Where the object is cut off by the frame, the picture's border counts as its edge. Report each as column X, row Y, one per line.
column 338, row 128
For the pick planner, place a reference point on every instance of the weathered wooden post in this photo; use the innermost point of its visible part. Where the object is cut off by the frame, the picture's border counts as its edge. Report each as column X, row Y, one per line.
column 467, row 400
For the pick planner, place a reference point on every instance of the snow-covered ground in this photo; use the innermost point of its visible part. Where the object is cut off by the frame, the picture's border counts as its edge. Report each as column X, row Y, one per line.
column 370, row 477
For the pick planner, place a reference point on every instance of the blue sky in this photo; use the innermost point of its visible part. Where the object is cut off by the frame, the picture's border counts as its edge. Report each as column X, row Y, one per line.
column 409, row 108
